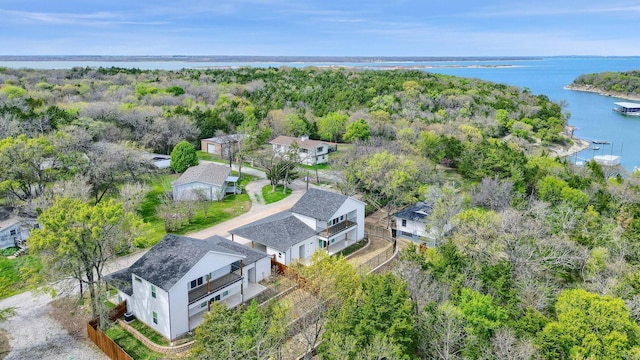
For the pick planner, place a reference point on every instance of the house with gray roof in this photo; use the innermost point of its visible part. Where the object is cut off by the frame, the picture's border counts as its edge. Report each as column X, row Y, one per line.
column 171, row 285
column 310, row 151
column 321, row 219
column 410, row 223
column 211, row 180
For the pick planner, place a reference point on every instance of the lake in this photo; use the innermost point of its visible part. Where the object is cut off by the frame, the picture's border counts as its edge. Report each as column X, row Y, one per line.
column 590, row 113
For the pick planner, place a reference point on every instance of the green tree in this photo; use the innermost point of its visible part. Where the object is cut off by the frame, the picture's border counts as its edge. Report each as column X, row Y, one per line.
column 77, row 239
column 332, row 125
column 482, row 318
column 217, row 338
column 357, row 130
column 28, row 165
column 590, row 326
column 183, row 156
column 382, row 308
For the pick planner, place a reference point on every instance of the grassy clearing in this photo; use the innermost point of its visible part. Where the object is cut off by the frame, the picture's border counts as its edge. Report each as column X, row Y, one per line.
column 149, row 333
column 131, row 345
column 218, row 212
column 13, row 274
column 324, row 166
column 271, row 197
column 8, row 251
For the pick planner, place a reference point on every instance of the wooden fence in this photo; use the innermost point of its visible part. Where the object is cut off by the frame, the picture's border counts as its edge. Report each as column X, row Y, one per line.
column 108, row 346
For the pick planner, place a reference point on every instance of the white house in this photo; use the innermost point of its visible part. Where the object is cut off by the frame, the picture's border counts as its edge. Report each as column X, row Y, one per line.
column 410, row 223
column 170, row 286
column 212, row 180
column 319, row 220
column 14, row 230
column 309, row 151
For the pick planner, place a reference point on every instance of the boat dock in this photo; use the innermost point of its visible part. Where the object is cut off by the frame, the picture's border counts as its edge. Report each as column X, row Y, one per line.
column 627, row 108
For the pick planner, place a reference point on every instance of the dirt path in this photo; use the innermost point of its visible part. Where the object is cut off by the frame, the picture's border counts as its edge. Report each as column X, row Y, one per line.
column 34, row 334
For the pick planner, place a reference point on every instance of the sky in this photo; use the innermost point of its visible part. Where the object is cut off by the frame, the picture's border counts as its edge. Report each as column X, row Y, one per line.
column 320, row 28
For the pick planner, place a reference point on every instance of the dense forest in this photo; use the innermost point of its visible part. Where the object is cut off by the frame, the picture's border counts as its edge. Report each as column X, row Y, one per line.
column 533, row 257
column 627, row 82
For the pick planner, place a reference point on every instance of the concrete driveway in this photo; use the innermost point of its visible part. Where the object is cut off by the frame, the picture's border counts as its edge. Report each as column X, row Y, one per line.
column 258, row 209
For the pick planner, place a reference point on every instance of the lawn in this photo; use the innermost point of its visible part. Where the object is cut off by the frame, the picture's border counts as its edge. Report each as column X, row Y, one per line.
column 218, row 211
column 131, row 345
column 271, row 197
column 14, row 274
column 149, row 333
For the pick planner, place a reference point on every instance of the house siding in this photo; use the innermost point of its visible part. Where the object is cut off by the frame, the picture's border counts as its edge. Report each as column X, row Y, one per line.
column 211, row 262
column 187, row 192
column 142, row 304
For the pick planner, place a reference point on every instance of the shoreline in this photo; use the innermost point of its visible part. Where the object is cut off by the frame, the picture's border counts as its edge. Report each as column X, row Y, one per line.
column 578, row 144
column 595, row 90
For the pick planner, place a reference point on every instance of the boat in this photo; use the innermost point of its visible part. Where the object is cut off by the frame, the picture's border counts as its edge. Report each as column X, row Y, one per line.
column 595, row 148
column 627, row 108
column 601, row 142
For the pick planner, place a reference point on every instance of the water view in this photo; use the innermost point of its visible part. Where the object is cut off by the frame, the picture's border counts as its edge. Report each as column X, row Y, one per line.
column 590, row 113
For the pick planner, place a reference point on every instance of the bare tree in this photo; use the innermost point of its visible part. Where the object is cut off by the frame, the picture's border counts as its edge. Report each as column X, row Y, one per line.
column 506, row 346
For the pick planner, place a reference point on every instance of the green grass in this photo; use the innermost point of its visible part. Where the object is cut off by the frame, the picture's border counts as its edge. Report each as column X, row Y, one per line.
column 271, row 197
column 353, row 248
column 149, row 333
column 8, row 251
column 131, row 345
column 14, row 271
column 324, row 166
column 207, row 156
column 219, row 211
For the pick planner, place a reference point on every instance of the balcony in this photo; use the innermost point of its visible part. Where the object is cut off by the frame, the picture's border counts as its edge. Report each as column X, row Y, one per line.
column 337, row 228
column 215, row 285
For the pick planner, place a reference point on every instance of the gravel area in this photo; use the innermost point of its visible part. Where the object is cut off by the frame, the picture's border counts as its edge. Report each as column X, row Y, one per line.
column 33, row 334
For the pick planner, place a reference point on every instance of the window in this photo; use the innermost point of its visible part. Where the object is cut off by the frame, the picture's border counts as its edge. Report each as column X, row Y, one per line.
column 138, row 279
column 153, row 291
column 225, row 293
column 404, row 222
column 319, row 149
column 204, row 304
column 155, row 317
column 200, row 281
column 304, row 151
column 12, row 232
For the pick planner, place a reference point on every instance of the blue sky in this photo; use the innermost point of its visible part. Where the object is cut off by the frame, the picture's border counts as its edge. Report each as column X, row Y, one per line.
column 320, row 28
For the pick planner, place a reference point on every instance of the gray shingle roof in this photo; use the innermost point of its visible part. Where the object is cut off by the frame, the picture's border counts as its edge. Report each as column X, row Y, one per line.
column 416, row 212
column 226, row 138
column 319, row 204
column 252, row 255
column 279, row 231
column 209, row 173
column 170, row 259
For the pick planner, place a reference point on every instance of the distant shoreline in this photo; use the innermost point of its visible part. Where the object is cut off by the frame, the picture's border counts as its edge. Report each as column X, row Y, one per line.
column 280, row 59
column 595, row 90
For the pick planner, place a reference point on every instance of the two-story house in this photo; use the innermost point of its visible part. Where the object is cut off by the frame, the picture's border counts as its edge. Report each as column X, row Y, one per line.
column 319, row 220
column 310, row 151
column 410, row 223
column 171, row 286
